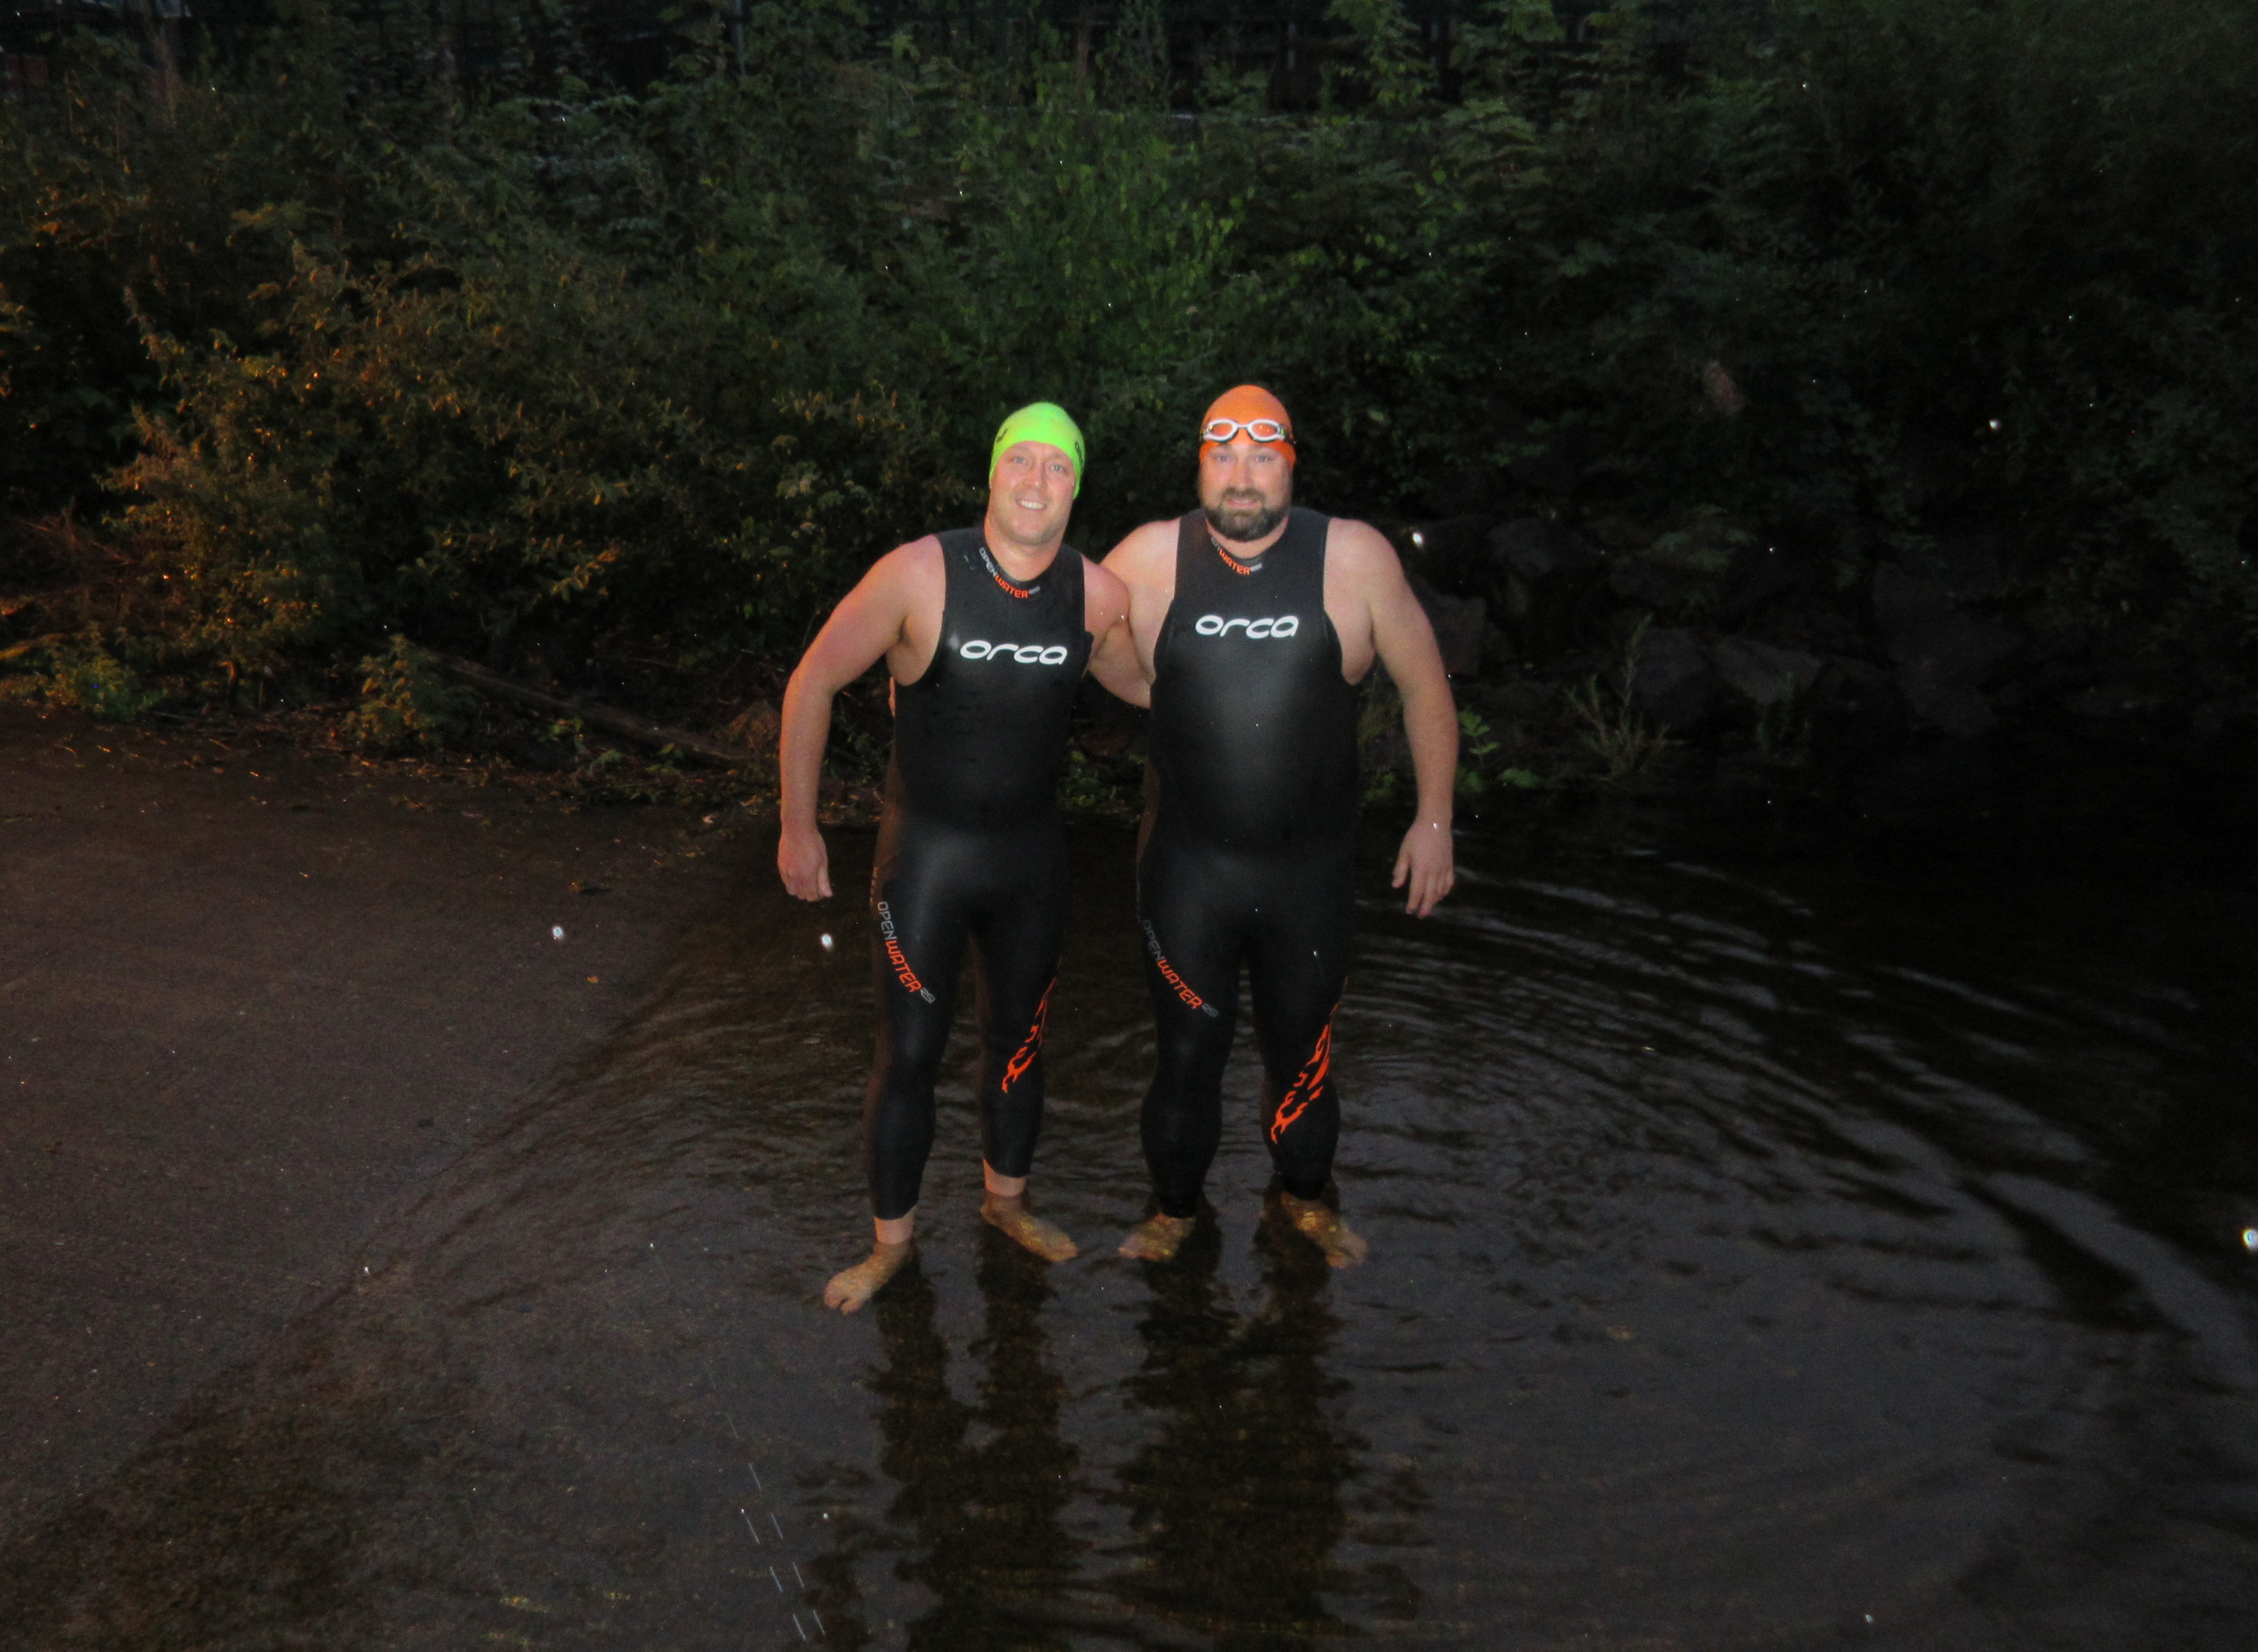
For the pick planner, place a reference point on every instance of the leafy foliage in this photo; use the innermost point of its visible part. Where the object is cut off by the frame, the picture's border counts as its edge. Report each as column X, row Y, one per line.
column 1608, row 723
column 554, row 373
column 406, row 700
column 80, row 672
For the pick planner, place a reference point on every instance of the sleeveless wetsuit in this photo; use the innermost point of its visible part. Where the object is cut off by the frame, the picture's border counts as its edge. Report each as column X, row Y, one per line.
column 970, row 844
column 1251, row 854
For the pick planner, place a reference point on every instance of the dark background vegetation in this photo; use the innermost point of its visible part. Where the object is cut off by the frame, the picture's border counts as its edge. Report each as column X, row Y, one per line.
column 1828, row 377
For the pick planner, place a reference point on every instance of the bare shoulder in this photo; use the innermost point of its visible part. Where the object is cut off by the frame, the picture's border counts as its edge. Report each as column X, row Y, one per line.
column 898, row 597
column 920, row 561
column 1104, row 598
column 1360, row 554
column 1104, row 584
column 1144, row 553
column 906, row 578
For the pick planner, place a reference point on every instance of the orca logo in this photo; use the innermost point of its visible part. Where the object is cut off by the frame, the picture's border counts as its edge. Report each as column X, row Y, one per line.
column 1022, row 653
column 1214, row 625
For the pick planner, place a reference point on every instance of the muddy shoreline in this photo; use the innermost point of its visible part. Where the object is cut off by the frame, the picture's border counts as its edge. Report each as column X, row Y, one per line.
column 249, row 993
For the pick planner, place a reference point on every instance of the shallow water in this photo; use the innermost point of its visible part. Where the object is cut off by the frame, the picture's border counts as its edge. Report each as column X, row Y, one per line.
column 1762, row 1257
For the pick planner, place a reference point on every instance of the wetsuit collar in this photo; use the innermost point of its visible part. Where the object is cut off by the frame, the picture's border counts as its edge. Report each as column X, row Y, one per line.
column 1239, row 565
column 1012, row 587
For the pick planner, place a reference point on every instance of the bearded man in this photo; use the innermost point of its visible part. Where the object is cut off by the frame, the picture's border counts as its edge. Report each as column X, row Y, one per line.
column 1252, row 621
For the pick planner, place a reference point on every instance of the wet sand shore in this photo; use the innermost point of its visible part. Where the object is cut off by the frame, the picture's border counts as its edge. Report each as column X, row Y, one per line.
column 249, row 998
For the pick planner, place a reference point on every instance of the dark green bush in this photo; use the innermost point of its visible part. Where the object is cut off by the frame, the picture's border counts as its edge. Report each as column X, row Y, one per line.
column 406, row 700
column 545, row 370
column 79, row 671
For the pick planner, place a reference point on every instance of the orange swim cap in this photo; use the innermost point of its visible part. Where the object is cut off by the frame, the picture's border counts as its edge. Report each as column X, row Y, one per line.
column 1246, row 405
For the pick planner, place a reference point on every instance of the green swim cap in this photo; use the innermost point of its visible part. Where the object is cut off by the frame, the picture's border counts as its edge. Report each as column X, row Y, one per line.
column 1041, row 421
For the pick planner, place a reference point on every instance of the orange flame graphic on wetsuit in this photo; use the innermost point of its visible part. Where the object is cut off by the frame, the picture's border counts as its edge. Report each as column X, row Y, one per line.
column 1306, row 1084
column 1031, row 1046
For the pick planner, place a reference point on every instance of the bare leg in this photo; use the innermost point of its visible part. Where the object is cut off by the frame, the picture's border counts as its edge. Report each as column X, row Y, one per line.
column 1322, row 1226
column 1157, row 1237
column 892, row 1241
column 1005, row 1209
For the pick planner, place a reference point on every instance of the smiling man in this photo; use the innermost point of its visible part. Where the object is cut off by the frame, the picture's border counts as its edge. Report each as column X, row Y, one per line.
column 986, row 631
column 1252, row 621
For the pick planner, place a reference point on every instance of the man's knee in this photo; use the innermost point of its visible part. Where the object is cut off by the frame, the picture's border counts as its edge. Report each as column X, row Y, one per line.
column 912, row 1044
column 1190, row 1055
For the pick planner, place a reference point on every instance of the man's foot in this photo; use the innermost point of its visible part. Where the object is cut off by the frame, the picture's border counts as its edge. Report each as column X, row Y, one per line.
column 850, row 1289
column 1009, row 1215
column 1158, row 1238
column 1322, row 1226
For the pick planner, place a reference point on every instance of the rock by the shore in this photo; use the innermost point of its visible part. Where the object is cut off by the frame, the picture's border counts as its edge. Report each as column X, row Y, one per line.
column 1761, row 675
column 1944, row 658
column 1847, row 648
column 1526, row 547
column 1539, row 581
column 1675, row 684
column 1856, row 712
column 1460, row 625
column 1966, row 566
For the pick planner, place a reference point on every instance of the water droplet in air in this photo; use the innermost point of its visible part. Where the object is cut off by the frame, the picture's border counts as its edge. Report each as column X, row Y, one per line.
column 556, row 932
column 825, row 940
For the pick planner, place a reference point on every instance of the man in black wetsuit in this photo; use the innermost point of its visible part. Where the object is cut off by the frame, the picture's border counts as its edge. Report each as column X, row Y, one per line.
column 1252, row 621
column 987, row 631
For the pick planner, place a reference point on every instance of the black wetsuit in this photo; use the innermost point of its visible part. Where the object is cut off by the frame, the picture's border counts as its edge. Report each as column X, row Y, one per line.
column 1250, row 856
column 970, row 844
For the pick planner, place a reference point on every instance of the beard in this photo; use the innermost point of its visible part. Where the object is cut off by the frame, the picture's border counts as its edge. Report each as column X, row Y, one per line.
column 1244, row 523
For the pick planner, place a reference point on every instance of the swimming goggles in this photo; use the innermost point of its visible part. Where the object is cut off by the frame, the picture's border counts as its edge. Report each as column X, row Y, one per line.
column 1259, row 429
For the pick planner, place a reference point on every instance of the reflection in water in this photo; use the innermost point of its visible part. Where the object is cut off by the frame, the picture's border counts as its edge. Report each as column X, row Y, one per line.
column 1236, row 1498
column 982, row 1484
column 1756, row 1261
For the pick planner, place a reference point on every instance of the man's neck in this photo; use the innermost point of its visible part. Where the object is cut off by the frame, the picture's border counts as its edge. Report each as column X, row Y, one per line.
column 1023, row 563
column 1244, row 550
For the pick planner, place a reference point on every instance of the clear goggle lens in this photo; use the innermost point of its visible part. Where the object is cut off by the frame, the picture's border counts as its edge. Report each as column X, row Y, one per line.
column 1259, row 429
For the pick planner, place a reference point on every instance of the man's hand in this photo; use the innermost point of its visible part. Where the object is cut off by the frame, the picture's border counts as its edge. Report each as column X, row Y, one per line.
column 805, row 863
column 1426, row 864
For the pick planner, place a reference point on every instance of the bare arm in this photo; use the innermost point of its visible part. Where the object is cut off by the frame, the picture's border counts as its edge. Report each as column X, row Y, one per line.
column 1113, row 651
column 1405, row 643
column 1114, row 662
column 873, row 620
column 1145, row 565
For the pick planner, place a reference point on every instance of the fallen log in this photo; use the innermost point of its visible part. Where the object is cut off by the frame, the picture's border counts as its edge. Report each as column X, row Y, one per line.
column 624, row 724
